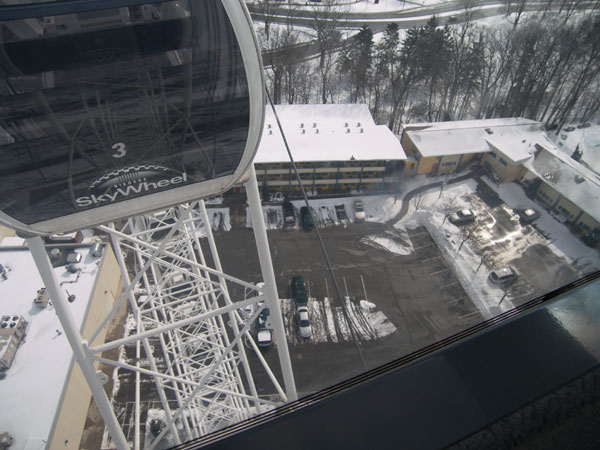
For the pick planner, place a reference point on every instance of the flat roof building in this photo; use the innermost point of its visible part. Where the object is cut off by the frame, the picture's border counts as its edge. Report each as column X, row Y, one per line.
column 337, row 148
column 442, row 147
column 44, row 397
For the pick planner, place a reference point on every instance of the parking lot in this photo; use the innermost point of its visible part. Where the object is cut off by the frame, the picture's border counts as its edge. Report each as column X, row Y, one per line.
column 418, row 295
column 424, row 277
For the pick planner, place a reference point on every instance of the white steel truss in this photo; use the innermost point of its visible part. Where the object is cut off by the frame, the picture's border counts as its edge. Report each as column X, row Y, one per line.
column 189, row 335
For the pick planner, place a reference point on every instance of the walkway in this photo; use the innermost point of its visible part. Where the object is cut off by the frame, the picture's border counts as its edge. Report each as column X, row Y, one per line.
column 410, row 194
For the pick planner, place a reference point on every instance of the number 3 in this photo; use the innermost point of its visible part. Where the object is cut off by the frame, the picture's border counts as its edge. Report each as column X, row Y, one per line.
column 120, row 148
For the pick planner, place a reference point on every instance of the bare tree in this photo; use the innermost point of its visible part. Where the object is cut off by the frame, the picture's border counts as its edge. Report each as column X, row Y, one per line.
column 326, row 17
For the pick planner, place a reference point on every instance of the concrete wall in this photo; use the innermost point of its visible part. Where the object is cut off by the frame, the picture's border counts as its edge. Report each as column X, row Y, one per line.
column 76, row 395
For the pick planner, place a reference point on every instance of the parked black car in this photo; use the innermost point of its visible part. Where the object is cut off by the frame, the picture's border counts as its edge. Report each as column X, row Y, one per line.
column 289, row 216
column 306, row 219
column 299, row 290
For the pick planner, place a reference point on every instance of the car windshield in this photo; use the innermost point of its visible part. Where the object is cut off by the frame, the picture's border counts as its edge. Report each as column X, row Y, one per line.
column 449, row 155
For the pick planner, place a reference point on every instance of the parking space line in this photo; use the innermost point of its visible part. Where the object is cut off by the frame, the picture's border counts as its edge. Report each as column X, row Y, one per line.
column 424, row 261
column 424, row 246
column 439, row 271
column 469, row 315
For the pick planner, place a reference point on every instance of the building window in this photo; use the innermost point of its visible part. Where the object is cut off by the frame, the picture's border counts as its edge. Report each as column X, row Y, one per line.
column 565, row 212
column 493, row 155
column 450, row 163
column 504, row 163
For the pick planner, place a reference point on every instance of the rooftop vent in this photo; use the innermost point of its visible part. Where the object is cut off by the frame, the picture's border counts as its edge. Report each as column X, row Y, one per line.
column 314, row 125
column 345, row 124
column 489, row 131
column 303, row 131
column 358, row 124
column 579, row 179
column 301, row 125
column 361, row 130
column 347, row 130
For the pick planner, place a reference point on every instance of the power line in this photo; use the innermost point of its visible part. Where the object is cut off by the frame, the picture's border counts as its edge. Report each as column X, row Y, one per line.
column 323, row 249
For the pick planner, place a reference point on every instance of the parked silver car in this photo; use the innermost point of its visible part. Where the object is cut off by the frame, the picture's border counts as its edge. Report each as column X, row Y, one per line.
column 503, row 276
column 462, row 216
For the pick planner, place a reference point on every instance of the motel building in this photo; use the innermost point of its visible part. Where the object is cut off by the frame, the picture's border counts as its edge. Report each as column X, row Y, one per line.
column 337, row 148
column 513, row 149
column 501, row 145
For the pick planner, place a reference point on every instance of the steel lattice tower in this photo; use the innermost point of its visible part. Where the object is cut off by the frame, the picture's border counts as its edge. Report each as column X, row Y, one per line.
column 200, row 366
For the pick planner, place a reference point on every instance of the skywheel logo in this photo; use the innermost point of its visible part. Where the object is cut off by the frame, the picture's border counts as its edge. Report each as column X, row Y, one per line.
column 128, row 182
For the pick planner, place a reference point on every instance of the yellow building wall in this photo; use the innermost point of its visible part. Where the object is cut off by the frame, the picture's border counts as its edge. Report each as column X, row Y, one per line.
column 407, row 145
column 506, row 173
column 76, row 400
column 568, row 209
column 587, row 223
column 449, row 164
column 547, row 194
column 6, row 232
column 426, row 164
column 467, row 159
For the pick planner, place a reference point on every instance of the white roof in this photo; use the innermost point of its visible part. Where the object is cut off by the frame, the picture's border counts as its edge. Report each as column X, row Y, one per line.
column 576, row 183
column 32, row 389
column 513, row 137
column 330, row 132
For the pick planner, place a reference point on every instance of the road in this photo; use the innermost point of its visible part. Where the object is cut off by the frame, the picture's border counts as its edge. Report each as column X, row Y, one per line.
column 452, row 12
column 408, row 18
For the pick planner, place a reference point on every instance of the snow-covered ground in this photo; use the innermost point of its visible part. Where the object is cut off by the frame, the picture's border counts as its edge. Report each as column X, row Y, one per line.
column 588, row 140
column 559, row 238
column 329, row 324
column 461, row 250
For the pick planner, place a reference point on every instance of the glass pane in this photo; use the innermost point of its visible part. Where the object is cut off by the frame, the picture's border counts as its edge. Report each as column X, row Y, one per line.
column 106, row 105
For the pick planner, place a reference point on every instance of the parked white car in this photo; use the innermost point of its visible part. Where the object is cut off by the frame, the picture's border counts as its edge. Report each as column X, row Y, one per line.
column 304, row 326
column 462, row 216
column 359, row 211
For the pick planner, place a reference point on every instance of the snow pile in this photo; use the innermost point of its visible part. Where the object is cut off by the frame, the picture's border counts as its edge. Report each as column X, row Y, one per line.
column 390, row 245
column 220, row 219
column 329, row 322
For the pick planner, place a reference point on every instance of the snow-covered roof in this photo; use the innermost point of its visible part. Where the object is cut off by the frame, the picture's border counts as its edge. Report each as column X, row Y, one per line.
column 32, row 388
column 514, row 137
column 330, row 132
column 576, row 183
